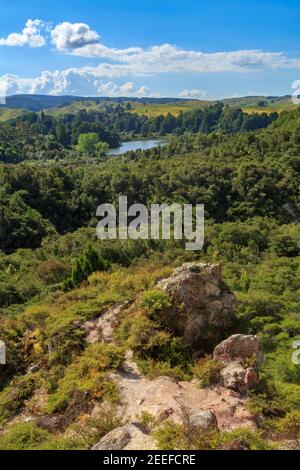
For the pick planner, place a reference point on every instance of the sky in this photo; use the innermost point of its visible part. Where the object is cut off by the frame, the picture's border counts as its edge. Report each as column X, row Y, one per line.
column 168, row 48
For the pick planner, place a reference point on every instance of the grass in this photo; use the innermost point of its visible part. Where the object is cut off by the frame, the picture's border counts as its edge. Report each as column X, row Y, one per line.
column 74, row 108
column 7, row 113
column 153, row 110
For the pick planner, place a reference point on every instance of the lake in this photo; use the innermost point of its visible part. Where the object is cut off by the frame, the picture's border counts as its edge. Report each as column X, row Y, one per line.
column 137, row 145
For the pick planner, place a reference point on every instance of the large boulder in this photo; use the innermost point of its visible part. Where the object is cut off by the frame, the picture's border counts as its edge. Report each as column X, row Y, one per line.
column 236, row 377
column 202, row 311
column 244, row 349
column 242, row 356
column 128, row 437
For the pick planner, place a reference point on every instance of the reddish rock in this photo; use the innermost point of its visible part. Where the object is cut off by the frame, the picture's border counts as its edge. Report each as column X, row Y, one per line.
column 244, row 349
column 202, row 311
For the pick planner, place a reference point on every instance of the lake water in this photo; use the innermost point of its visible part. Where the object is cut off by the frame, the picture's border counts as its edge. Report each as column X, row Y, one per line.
column 137, row 145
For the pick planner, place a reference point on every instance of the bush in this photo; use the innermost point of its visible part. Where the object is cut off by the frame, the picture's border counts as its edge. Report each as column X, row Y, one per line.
column 153, row 369
column 172, row 436
column 153, row 301
column 149, row 341
column 88, row 374
column 92, row 429
column 289, row 426
column 208, row 372
column 53, row 271
column 241, row 438
column 12, row 398
column 84, row 266
column 24, row 436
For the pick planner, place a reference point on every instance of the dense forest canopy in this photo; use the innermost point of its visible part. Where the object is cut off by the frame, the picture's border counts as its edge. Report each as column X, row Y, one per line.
column 38, row 136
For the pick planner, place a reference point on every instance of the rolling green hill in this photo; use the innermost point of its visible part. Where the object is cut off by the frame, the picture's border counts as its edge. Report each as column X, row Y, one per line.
column 150, row 107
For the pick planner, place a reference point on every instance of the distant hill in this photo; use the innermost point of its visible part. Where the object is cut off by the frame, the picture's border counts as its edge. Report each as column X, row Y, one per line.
column 55, row 105
column 39, row 102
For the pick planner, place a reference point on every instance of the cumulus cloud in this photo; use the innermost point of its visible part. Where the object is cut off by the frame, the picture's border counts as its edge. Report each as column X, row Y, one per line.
column 69, row 36
column 69, row 82
column 193, row 94
column 79, row 39
column 167, row 58
column 31, row 35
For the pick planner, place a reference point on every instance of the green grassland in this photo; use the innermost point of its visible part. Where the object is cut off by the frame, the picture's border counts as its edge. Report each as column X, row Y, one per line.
column 74, row 107
column 152, row 110
column 6, row 113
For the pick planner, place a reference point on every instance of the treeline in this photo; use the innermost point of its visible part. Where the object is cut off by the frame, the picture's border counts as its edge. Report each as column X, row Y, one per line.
column 37, row 136
column 213, row 118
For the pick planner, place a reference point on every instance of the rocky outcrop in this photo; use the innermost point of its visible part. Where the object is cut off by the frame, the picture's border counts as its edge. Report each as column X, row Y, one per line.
column 234, row 376
column 240, row 348
column 243, row 357
column 202, row 311
column 183, row 402
column 128, row 437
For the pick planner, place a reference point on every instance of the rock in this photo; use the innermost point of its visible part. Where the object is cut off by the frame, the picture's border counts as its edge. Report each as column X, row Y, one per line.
column 204, row 419
column 129, row 437
column 33, row 369
column 2, row 353
column 78, row 404
column 103, row 327
column 241, row 349
column 235, row 377
column 202, row 311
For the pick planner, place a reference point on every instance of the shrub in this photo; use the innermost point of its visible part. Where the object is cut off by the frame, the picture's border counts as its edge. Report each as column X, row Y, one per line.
column 84, row 266
column 146, row 420
column 24, row 436
column 88, row 374
column 172, row 436
column 155, row 300
column 92, row 429
column 241, row 438
column 208, row 372
column 53, row 271
column 289, row 426
column 149, row 341
column 153, row 369
column 12, row 398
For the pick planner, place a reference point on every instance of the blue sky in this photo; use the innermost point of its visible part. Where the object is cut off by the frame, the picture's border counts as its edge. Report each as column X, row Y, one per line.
column 149, row 47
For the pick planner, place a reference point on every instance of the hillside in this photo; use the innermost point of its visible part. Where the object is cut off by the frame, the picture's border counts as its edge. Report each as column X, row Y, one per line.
column 95, row 329
column 58, row 105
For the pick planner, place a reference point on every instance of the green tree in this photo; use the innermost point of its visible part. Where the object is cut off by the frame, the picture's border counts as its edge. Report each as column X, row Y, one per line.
column 90, row 144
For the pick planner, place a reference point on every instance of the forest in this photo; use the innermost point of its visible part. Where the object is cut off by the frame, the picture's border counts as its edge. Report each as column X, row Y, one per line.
column 38, row 136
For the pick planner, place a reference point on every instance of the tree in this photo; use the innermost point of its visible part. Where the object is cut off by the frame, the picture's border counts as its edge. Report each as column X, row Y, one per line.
column 84, row 266
column 102, row 149
column 90, row 144
column 62, row 134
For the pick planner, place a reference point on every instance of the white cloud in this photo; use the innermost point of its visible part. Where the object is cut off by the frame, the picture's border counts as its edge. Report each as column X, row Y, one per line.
column 78, row 39
column 167, row 58
column 68, row 36
column 31, row 35
column 69, row 82
column 193, row 94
